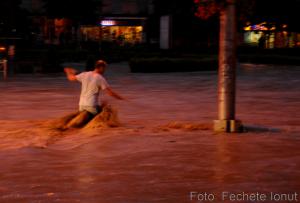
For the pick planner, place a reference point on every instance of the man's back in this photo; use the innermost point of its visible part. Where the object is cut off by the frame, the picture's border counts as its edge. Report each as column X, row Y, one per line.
column 92, row 84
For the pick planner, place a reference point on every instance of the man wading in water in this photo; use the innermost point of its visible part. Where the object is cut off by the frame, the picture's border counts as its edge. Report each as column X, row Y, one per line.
column 92, row 83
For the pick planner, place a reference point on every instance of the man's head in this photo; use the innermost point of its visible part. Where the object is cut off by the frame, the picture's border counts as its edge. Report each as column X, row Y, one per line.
column 100, row 66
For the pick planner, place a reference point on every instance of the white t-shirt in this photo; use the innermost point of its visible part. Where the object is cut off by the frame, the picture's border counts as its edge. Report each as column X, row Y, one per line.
column 92, row 84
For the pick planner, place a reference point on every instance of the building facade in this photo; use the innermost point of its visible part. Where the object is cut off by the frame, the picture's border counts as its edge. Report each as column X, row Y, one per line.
column 120, row 21
column 269, row 36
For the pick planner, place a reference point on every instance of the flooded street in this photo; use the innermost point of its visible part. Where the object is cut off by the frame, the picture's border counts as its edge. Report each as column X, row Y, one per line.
column 146, row 160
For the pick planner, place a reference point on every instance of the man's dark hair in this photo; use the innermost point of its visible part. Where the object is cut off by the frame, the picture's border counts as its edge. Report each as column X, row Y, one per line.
column 100, row 63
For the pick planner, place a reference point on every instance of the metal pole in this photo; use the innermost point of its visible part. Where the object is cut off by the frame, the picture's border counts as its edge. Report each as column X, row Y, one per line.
column 227, row 71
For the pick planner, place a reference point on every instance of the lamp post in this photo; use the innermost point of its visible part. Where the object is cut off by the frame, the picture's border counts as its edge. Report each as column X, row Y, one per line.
column 227, row 71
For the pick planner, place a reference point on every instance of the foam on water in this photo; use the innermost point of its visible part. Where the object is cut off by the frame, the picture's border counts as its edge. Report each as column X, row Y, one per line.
column 187, row 126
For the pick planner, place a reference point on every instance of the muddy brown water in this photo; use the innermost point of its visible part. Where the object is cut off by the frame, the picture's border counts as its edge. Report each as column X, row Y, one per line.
column 164, row 148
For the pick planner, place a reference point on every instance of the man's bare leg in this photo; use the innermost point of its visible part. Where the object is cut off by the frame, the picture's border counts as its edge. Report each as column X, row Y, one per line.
column 80, row 120
column 67, row 118
column 60, row 124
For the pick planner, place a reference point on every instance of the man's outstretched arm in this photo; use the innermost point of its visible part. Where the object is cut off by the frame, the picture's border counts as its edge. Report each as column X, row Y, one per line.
column 112, row 93
column 70, row 72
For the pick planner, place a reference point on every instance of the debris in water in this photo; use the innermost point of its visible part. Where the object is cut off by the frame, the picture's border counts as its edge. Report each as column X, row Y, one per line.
column 186, row 126
column 107, row 118
column 61, row 123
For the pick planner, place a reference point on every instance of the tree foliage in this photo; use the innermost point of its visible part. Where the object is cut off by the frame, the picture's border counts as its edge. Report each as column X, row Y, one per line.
column 208, row 8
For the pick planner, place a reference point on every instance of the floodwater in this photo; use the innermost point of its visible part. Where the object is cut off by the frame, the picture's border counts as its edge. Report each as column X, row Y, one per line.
column 147, row 160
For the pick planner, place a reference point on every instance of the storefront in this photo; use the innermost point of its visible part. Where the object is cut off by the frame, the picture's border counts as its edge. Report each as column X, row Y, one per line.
column 122, row 30
column 267, row 35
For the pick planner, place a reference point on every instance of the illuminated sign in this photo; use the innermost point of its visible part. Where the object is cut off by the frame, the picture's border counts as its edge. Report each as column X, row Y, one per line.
column 264, row 26
column 108, row 23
